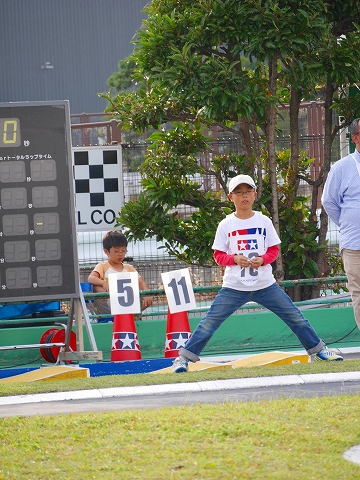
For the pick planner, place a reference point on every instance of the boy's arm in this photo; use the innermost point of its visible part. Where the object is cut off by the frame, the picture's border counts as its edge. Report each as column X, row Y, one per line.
column 99, row 284
column 223, row 259
column 271, row 254
column 146, row 301
column 227, row 260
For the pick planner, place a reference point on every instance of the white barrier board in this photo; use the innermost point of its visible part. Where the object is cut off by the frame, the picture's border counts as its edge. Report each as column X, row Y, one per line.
column 124, row 293
column 179, row 291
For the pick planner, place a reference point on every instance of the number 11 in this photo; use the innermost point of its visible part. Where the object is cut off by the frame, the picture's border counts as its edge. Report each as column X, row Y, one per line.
column 182, row 282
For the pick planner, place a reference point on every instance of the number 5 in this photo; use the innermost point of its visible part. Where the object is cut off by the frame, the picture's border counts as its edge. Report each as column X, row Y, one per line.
column 126, row 293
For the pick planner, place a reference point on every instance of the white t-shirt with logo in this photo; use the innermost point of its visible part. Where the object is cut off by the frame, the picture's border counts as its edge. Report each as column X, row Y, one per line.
column 251, row 238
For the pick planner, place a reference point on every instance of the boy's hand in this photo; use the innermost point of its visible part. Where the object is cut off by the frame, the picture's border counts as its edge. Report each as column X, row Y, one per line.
column 245, row 262
column 256, row 262
column 242, row 261
column 146, row 302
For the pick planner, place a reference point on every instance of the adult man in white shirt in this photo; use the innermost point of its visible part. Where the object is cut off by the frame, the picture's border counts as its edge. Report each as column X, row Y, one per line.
column 341, row 201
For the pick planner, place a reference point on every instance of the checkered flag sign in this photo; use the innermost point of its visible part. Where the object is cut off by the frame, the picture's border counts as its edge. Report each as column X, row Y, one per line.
column 98, row 186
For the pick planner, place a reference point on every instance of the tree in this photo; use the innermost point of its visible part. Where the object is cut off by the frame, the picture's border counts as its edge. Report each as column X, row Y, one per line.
column 122, row 79
column 189, row 58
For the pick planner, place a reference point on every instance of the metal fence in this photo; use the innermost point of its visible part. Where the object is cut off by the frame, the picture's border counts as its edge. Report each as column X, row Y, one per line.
column 99, row 129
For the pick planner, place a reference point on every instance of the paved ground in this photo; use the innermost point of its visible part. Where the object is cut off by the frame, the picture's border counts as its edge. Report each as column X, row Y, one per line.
column 158, row 396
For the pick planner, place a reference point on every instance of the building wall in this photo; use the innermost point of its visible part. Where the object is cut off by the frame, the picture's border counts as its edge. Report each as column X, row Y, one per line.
column 82, row 41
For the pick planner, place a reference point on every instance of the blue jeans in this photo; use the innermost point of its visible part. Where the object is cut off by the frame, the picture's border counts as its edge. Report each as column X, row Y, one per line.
column 228, row 301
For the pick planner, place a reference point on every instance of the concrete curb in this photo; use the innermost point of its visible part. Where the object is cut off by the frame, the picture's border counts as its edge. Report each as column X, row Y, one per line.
column 241, row 383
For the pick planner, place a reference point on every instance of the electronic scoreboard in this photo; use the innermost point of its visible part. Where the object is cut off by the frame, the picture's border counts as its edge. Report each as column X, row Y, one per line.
column 38, row 252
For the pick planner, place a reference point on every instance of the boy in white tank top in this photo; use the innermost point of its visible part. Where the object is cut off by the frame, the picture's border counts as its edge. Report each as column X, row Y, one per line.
column 115, row 248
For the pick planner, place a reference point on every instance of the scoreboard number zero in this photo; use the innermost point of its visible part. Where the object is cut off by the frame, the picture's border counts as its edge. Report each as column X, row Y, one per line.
column 10, row 132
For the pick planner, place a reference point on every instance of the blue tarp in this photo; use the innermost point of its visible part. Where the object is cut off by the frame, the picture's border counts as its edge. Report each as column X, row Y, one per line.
column 24, row 309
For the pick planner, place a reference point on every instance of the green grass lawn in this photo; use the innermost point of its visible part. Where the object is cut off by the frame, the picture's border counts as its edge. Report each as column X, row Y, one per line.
column 287, row 438
column 294, row 439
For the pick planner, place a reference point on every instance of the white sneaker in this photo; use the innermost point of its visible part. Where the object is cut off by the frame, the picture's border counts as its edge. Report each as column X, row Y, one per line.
column 180, row 365
column 327, row 355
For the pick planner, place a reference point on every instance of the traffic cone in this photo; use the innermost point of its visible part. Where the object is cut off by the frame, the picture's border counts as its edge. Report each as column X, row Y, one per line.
column 177, row 333
column 125, row 343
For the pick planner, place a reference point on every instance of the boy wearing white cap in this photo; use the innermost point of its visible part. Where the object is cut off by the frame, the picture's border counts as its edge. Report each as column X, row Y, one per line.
column 246, row 243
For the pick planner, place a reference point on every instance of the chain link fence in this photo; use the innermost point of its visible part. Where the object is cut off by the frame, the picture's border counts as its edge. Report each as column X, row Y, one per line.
column 147, row 257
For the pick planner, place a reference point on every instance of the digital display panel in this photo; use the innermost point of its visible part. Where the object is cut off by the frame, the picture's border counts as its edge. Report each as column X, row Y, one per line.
column 38, row 252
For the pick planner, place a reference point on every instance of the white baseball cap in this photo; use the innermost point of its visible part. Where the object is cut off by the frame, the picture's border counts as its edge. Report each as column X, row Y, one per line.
column 234, row 182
